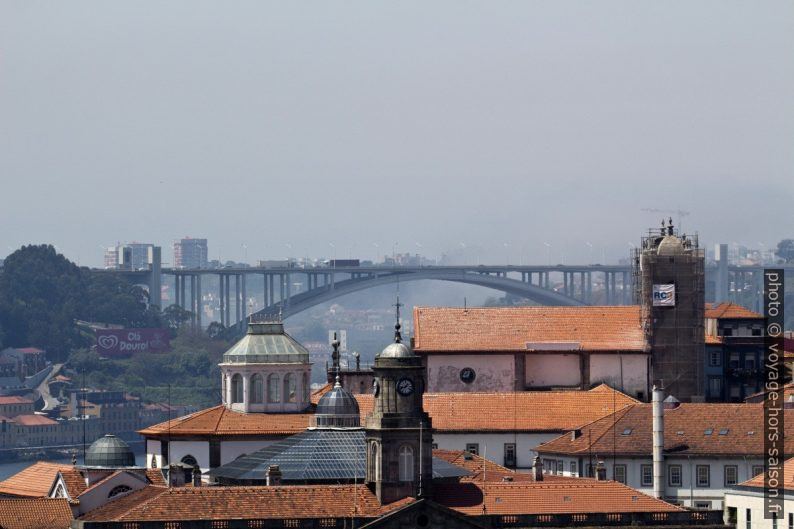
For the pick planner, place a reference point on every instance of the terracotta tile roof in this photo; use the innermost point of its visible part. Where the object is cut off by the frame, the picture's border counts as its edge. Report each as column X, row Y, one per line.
column 74, row 481
column 535, row 411
column 155, row 476
column 223, row 503
column 730, row 311
column 39, row 513
column 30, row 350
column 787, row 481
column 439, row 329
column 14, row 399
column 34, row 420
column 523, row 411
column 317, row 395
column 34, row 481
column 563, row 496
column 219, row 420
column 628, row 432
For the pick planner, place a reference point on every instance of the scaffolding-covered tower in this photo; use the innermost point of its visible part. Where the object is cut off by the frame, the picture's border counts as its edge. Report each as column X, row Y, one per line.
column 668, row 270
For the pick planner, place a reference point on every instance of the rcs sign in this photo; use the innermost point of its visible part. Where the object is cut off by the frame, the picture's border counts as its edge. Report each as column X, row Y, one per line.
column 664, row 295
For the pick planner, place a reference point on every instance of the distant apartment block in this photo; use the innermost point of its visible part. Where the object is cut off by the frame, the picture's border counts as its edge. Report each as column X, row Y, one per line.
column 190, row 253
column 132, row 256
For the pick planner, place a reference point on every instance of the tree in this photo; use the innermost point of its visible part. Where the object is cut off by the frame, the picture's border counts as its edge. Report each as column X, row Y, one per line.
column 215, row 330
column 785, row 250
column 41, row 295
column 175, row 316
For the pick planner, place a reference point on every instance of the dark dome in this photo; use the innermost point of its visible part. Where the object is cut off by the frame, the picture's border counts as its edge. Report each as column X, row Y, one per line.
column 109, row 451
column 338, row 408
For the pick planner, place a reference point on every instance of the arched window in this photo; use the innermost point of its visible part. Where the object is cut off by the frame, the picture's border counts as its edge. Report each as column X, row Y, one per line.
column 189, row 460
column 273, row 394
column 237, row 389
column 121, row 489
column 406, row 463
column 306, row 387
column 257, row 389
column 290, row 387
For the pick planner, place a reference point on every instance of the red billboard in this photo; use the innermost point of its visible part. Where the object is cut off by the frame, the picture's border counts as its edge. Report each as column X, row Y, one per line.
column 126, row 342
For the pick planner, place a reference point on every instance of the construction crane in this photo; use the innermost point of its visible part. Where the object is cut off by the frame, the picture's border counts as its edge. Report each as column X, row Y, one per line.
column 680, row 214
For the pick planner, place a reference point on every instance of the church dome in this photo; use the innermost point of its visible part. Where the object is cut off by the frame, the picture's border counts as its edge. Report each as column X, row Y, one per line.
column 109, row 451
column 395, row 350
column 670, row 245
column 266, row 343
column 337, row 408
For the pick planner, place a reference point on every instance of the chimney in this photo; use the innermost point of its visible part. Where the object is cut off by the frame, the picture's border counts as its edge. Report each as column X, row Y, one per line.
column 537, row 469
column 176, row 475
column 601, row 471
column 671, row 403
column 789, row 403
column 658, row 442
column 273, row 476
column 196, row 476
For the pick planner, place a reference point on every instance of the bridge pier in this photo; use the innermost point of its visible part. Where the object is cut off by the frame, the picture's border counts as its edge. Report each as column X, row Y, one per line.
column 244, row 300
column 199, row 305
column 221, row 318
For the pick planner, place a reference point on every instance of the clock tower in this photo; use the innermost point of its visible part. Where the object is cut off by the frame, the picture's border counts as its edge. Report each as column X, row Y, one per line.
column 398, row 431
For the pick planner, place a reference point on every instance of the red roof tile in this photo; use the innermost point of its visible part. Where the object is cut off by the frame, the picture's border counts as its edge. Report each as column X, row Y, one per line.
column 222, row 503
column 787, row 481
column 34, row 420
column 219, row 420
column 628, row 432
column 14, row 399
column 34, row 481
column 730, row 311
column 74, row 482
column 39, row 513
column 547, row 411
column 563, row 496
column 535, row 411
column 512, row 329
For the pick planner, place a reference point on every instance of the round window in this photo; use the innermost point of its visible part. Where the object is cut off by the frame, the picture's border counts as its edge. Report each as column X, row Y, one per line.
column 467, row 375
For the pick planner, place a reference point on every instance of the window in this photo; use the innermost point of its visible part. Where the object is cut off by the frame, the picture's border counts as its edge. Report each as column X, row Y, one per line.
column 257, row 389
column 715, row 387
column 573, row 468
column 189, row 460
column 749, row 518
column 731, row 475
column 215, row 453
column 791, row 520
column 734, row 360
column 727, row 331
column 307, row 387
column 560, row 467
column 646, row 475
column 702, row 476
column 715, row 358
column 273, row 394
column 674, row 475
column 510, row 454
column 473, row 448
column 237, row 389
column 749, row 363
column 703, row 505
column 619, row 473
column 755, row 331
column 121, row 489
column 406, row 463
column 549, row 466
column 757, row 470
column 290, row 388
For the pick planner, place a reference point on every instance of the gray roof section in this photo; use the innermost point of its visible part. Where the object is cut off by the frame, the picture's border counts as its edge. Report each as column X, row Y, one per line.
column 109, row 452
column 315, row 456
column 266, row 343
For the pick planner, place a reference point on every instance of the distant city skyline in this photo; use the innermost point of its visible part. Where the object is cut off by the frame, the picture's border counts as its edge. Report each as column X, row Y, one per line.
column 273, row 130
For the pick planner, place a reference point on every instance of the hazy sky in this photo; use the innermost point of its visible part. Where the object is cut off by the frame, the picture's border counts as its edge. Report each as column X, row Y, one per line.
column 289, row 127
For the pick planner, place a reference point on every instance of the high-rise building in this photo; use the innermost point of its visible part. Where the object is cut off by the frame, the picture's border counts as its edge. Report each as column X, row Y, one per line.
column 111, row 257
column 669, row 284
column 190, row 253
column 132, row 256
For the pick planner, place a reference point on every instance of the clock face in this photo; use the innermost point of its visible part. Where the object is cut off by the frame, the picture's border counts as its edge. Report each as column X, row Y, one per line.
column 467, row 375
column 375, row 387
column 405, row 386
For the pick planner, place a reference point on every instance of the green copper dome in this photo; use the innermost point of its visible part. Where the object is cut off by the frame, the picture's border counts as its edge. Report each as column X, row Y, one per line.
column 266, row 343
column 109, row 451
